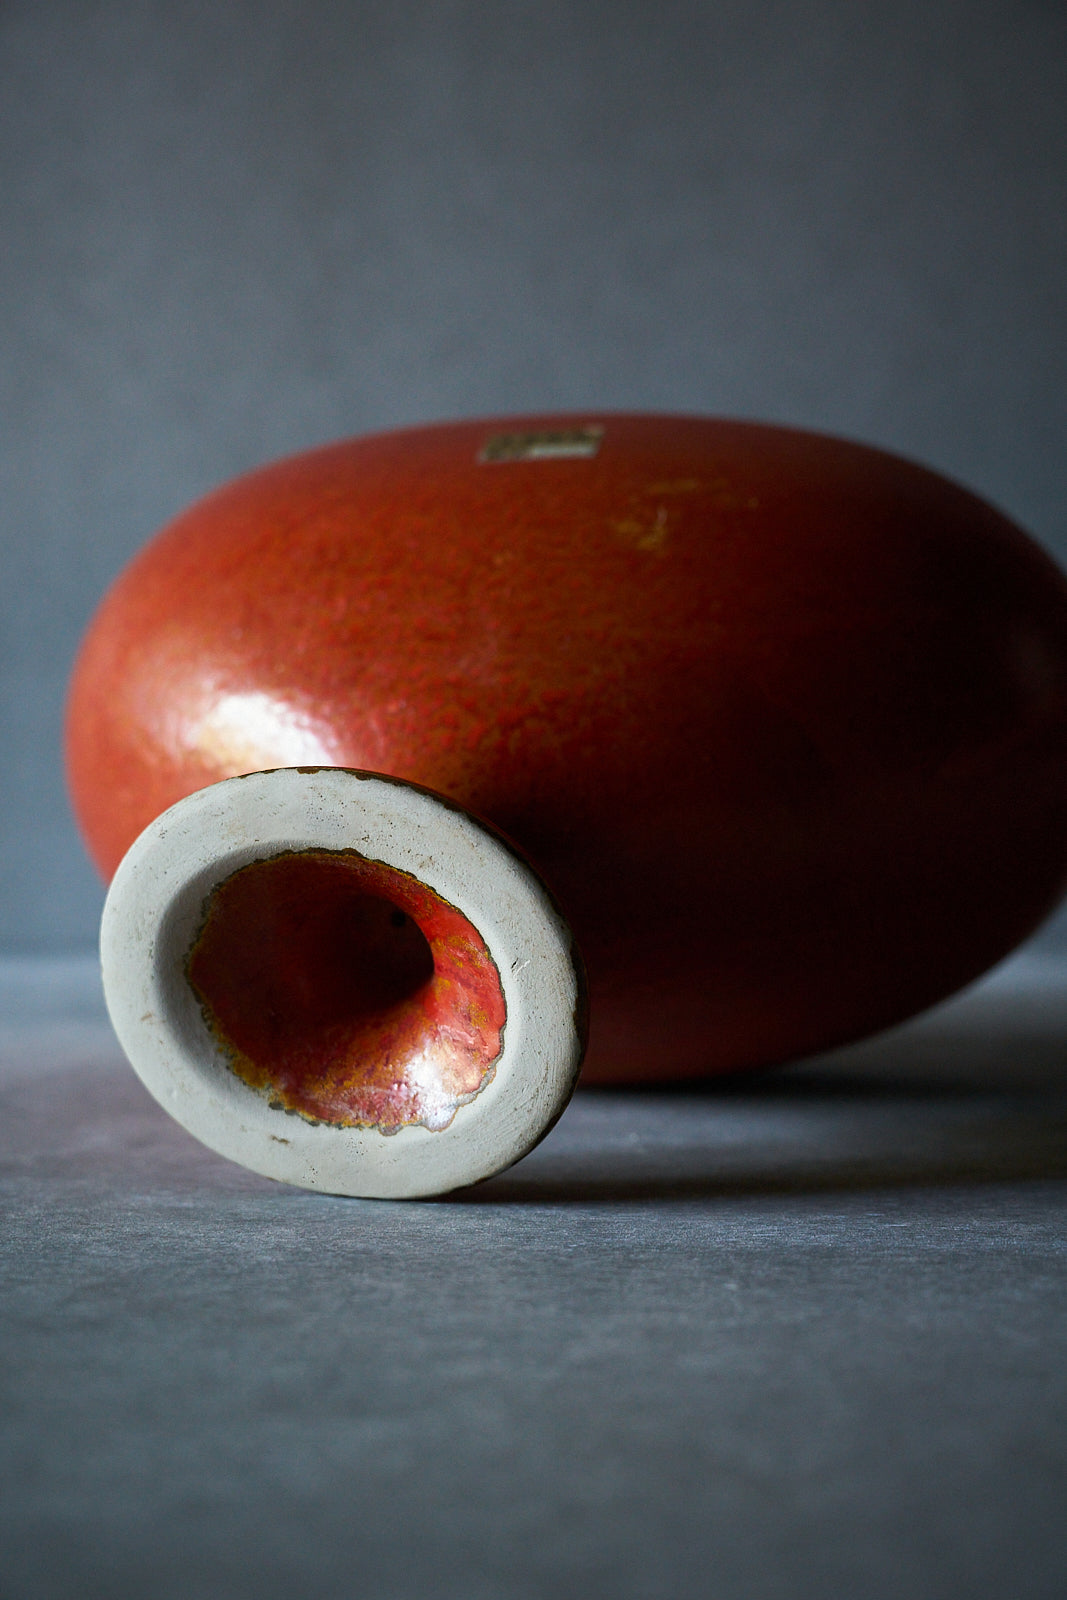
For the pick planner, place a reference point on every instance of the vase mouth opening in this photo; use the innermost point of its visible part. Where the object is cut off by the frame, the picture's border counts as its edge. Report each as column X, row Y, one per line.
column 301, row 961
column 345, row 991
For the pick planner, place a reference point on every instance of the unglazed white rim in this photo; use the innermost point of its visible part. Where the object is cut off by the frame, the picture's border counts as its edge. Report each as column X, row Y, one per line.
column 155, row 909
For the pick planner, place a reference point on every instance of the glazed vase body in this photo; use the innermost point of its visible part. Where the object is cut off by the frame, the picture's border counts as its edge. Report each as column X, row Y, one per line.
column 781, row 719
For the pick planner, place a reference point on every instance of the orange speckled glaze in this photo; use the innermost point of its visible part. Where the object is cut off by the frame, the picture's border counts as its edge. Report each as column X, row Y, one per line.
column 347, row 991
column 781, row 719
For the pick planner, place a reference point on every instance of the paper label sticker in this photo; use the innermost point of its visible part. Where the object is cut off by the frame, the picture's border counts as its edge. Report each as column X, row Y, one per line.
column 553, row 444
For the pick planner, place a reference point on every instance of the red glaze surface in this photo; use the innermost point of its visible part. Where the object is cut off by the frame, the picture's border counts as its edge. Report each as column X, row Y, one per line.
column 782, row 719
column 348, row 991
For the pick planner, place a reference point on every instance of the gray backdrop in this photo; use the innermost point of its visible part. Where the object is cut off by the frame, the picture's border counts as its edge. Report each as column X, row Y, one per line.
column 230, row 231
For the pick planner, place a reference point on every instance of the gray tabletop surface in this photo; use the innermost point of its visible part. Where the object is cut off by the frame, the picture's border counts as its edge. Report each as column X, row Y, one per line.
column 801, row 1335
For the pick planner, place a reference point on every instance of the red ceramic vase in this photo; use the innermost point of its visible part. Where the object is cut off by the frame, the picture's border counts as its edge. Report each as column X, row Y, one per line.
column 781, row 719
